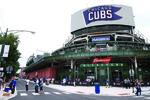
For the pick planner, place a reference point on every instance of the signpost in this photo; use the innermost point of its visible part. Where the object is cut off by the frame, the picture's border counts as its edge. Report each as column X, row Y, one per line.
column 4, row 53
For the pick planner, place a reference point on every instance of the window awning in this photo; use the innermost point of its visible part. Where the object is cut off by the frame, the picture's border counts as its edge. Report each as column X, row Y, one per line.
column 102, row 65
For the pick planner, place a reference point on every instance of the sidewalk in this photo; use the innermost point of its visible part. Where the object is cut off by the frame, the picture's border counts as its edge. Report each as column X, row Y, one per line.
column 6, row 97
column 90, row 90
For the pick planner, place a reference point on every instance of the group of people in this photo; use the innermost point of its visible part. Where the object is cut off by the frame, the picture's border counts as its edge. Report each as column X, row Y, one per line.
column 38, row 83
column 130, row 83
column 127, row 83
column 11, row 85
column 134, row 84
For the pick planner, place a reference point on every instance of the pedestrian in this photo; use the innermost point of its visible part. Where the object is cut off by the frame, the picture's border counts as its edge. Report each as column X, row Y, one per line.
column 1, row 82
column 52, row 81
column 128, row 83
column 27, row 84
column 138, row 88
column 12, row 85
column 107, row 83
column 125, row 83
column 132, row 85
column 64, row 81
column 41, row 84
column 36, row 85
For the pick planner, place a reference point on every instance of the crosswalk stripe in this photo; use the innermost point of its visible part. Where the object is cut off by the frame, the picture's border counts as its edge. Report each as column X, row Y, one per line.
column 147, row 98
column 66, row 92
column 25, row 90
column 23, row 94
column 46, row 93
column 138, row 96
column 57, row 93
column 35, row 93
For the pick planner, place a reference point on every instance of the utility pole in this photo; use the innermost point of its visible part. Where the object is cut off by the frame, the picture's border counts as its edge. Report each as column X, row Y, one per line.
column 5, row 51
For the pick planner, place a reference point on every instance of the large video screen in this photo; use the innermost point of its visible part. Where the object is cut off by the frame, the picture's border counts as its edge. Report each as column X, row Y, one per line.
column 101, row 38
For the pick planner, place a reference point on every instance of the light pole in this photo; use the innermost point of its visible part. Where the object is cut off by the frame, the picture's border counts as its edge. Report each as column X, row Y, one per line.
column 3, row 48
column 17, row 31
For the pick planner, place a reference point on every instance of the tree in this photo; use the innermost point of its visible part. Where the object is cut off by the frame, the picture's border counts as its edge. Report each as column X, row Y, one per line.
column 14, row 54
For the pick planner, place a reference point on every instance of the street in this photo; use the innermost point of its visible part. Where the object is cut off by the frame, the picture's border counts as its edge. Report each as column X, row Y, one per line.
column 53, row 94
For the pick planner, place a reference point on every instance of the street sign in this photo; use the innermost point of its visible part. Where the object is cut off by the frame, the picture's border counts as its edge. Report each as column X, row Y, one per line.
column 9, row 69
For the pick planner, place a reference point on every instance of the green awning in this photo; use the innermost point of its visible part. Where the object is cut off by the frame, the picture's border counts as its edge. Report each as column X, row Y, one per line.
column 102, row 65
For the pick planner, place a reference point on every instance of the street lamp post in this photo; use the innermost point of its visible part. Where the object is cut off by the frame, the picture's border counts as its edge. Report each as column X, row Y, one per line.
column 4, row 44
column 17, row 31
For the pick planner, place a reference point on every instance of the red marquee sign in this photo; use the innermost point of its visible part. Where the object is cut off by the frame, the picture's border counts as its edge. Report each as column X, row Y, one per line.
column 102, row 60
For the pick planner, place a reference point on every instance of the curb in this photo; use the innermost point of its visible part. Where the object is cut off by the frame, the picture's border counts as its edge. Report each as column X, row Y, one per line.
column 7, row 97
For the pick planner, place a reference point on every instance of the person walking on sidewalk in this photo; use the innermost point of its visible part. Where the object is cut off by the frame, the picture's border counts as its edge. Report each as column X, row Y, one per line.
column 132, row 85
column 1, row 82
column 138, row 88
column 27, row 84
column 12, row 85
column 41, row 85
column 107, row 83
column 36, row 85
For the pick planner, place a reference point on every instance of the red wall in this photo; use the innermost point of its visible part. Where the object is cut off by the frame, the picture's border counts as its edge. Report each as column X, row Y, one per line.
column 46, row 72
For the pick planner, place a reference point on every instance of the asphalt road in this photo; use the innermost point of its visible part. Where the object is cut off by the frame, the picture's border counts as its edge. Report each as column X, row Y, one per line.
column 52, row 94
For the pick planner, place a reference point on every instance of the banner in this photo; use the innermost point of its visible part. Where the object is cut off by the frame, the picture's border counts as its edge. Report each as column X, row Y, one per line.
column 0, row 49
column 102, row 60
column 101, row 13
column 6, row 51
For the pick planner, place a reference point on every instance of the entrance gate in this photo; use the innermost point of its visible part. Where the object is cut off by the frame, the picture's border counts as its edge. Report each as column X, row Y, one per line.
column 104, row 72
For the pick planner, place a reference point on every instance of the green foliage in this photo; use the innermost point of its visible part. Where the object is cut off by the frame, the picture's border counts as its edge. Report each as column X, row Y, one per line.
column 14, row 54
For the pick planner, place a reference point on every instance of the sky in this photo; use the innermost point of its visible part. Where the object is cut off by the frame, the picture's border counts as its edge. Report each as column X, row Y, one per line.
column 51, row 20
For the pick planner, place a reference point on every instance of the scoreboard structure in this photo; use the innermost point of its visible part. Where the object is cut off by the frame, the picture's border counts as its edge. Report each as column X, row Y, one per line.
column 104, row 46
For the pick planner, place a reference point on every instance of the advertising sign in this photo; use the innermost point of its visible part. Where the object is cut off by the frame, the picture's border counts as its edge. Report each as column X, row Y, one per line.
column 101, row 13
column 100, row 38
column 102, row 60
